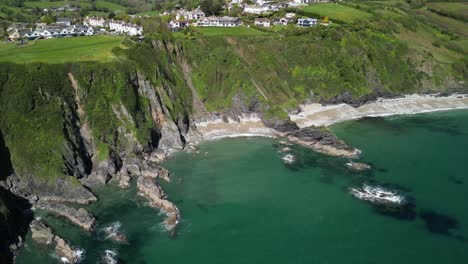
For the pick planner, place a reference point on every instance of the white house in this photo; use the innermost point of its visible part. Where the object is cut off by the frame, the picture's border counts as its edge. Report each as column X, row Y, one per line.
column 262, row 22
column 218, row 22
column 255, row 9
column 125, row 28
column 178, row 24
column 307, row 22
column 94, row 21
column 281, row 22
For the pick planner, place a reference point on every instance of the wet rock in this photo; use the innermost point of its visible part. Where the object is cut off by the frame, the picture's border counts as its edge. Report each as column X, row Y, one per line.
column 79, row 217
column 358, row 166
column 113, row 232
column 323, row 141
column 153, row 192
column 282, row 126
column 42, row 234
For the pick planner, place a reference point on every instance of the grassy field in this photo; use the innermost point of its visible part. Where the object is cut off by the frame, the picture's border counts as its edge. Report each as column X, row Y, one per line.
column 55, row 4
column 444, row 23
column 454, row 10
column 335, row 12
column 149, row 13
column 95, row 48
column 229, row 31
column 110, row 6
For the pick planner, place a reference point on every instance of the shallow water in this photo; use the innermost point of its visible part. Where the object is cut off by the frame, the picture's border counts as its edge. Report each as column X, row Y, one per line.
column 241, row 204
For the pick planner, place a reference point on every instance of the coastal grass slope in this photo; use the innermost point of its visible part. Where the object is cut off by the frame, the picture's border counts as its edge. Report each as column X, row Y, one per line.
column 94, row 48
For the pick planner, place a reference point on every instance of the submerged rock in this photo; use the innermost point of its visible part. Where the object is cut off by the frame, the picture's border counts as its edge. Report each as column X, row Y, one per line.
column 358, row 166
column 79, row 217
column 114, row 232
column 323, row 141
column 42, row 234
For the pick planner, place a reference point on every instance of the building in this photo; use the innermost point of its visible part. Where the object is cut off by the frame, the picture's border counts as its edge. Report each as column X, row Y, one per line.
column 190, row 15
column 63, row 21
column 262, row 22
column 256, row 9
column 122, row 27
column 94, row 21
column 281, row 22
column 218, row 22
column 176, row 25
column 307, row 22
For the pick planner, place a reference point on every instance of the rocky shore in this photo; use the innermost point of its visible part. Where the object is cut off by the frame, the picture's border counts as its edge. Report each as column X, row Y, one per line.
column 148, row 187
column 42, row 234
column 79, row 217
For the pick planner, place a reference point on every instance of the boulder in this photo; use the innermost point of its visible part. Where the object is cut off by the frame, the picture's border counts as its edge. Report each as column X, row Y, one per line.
column 79, row 217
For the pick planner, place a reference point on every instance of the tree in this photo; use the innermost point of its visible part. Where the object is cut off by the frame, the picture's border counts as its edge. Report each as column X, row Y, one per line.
column 47, row 19
column 211, row 7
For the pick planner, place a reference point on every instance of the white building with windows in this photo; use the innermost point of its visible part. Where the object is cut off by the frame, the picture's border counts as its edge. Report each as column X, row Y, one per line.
column 219, row 22
column 122, row 27
column 94, row 21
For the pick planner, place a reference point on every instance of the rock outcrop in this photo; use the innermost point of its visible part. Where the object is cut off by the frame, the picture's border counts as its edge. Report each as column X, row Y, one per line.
column 323, row 141
column 135, row 167
column 64, row 189
column 148, row 187
column 43, row 234
column 79, row 217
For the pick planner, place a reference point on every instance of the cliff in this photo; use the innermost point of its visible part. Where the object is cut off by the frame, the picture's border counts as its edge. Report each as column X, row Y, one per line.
column 66, row 127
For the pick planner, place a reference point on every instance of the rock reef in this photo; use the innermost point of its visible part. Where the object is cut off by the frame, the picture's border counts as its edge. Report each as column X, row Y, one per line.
column 323, row 141
column 79, row 217
column 43, row 234
column 149, row 188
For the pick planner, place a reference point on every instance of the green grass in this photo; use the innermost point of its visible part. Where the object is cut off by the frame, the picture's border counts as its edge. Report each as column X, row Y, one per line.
column 95, row 48
column 336, row 12
column 229, row 31
column 149, row 13
column 55, row 4
column 98, row 14
column 110, row 6
column 445, row 23
column 454, row 10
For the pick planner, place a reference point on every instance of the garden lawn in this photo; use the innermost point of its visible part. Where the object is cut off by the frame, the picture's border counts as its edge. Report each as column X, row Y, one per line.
column 336, row 12
column 94, row 48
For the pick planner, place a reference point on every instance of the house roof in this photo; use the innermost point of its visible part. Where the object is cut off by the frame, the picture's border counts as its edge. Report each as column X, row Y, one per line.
column 262, row 20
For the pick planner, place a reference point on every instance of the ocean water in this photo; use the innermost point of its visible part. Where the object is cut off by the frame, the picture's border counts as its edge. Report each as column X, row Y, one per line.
column 241, row 204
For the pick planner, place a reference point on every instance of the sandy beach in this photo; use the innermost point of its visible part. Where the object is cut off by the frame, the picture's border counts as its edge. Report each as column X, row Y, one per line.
column 324, row 115
column 319, row 115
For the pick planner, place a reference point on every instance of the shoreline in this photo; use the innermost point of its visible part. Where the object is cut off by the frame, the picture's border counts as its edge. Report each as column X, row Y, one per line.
column 315, row 114
column 320, row 115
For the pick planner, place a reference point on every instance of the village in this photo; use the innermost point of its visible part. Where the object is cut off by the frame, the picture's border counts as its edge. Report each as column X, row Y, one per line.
column 178, row 20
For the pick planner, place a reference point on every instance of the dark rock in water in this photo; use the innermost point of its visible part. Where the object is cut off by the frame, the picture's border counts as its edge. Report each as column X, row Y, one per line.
column 79, row 217
column 439, row 223
column 283, row 126
column 320, row 139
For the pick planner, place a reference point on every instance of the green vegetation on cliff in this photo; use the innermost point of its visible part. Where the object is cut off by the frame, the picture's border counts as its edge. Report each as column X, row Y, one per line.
column 124, row 91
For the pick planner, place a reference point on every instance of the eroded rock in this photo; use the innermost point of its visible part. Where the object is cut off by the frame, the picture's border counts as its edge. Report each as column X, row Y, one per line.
column 323, row 141
column 43, row 234
column 79, row 217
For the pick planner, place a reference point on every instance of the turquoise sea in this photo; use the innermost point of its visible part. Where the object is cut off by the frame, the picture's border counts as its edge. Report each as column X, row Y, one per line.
column 241, row 204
